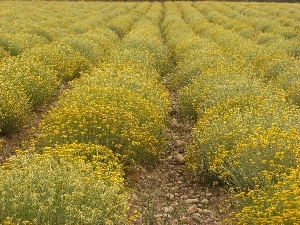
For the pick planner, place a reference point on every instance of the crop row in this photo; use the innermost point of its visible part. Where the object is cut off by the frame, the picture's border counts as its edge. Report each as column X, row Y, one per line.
column 247, row 131
column 261, row 26
column 266, row 62
column 110, row 119
column 30, row 78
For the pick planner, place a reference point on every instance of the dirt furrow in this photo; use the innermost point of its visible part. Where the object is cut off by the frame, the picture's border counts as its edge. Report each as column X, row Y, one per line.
column 163, row 195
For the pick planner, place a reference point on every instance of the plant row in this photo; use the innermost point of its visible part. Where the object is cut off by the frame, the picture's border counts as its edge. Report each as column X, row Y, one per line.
column 247, row 133
column 260, row 26
column 29, row 79
column 268, row 62
column 111, row 118
column 28, row 24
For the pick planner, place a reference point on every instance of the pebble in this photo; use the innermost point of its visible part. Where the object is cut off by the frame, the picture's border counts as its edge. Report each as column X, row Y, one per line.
column 158, row 215
column 174, row 123
column 179, row 144
column 166, row 215
column 209, row 194
column 168, row 209
column 169, row 196
column 134, row 197
column 204, row 201
column 179, row 159
column 175, row 188
column 184, row 197
column 191, row 201
column 192, row 209
column 185, row 220
column 197, row 218
column 169, row 158
column 206, row 211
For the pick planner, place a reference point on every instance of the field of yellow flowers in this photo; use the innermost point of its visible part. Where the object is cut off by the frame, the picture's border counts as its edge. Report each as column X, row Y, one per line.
column 235, row 67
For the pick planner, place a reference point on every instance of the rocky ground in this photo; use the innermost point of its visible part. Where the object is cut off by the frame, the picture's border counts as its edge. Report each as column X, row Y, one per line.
column 163, row 195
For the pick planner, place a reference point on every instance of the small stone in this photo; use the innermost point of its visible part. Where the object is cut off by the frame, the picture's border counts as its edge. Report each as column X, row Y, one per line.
column 179, row 159
column 200, row 210
column 175, row 222
column 168, row 209
column 174, row 123
column 169, row 158
column 192, row 209
column 134, row 197
column 179, row 144
column 158, row 215
column 197, row 218
column 138, row 221
column 184, row 197
column 174, row 204
column 191, row 201
column 209, row 194
column 206, row 211
column 166, row 215
column 204, row 201
column 175, row 188
column 169, row 196
column 185, row 220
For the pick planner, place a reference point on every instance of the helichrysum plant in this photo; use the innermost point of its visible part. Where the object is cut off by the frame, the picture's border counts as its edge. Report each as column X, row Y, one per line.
column 69, row 184
column 275, row 203
column 240, row 138
column 60, row 57
column 14, row 107
column 32, row 77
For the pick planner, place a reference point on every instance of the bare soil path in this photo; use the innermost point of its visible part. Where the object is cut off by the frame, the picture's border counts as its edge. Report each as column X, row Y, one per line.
column 163, row 195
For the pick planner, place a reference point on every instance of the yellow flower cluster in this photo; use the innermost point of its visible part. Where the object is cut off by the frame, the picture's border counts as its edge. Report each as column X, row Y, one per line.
column 30, row 76
column 276, row 204
column 17, row 43
column 60, row 57
column 3, row 53
column 14, row 107
column 93, row 45
column 67, row 184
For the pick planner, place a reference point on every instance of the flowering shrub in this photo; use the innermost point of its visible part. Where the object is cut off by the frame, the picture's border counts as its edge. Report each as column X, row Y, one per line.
column 275, row 203
column 17, row 43
column 33, row 78
column 14, row 107
column 135, row 77
column 62, row 187
column 213, row 87
column 240, row 134
column 86, row 47
column 60, row 57
column 3, row 53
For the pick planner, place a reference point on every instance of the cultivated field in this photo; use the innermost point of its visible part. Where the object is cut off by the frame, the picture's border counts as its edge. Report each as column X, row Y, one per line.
column 104, row 75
